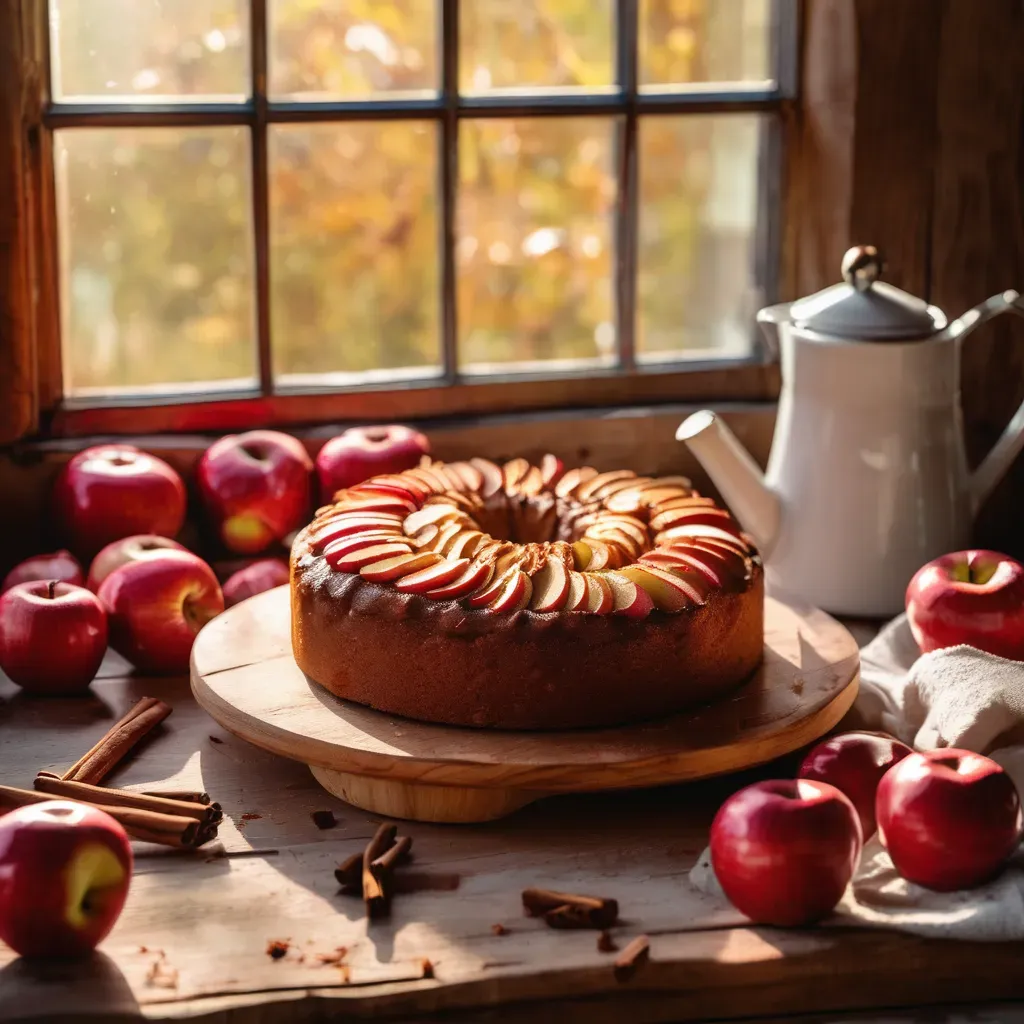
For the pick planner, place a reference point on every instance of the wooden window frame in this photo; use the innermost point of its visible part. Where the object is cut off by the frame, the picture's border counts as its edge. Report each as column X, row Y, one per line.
column 42, row 408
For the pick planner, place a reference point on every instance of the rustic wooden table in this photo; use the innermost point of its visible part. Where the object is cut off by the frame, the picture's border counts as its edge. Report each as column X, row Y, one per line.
column 192, row 941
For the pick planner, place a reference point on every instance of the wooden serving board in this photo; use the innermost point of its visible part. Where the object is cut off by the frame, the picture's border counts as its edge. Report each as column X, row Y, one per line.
column 244, row 676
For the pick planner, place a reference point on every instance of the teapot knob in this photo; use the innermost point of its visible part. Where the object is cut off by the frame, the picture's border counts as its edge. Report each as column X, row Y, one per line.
column 862, row 266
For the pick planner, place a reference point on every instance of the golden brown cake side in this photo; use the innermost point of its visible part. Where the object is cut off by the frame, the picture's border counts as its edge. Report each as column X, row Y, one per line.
column 525, row 597
column 406, row 655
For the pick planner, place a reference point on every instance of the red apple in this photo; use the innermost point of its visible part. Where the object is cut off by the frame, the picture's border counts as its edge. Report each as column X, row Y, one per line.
column 61, row 565
column 53, row 636
column 113, row 491
column 265, row 574
column 362, row 452
column 785, row 850
column 65, row 869
column 949, row 818
column 255, row 487
column 854, row 762
column 128, row 549
column 156, row 606
column 969, row 597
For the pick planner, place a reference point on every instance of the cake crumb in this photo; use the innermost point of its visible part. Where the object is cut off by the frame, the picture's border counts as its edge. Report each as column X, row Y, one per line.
column 324, row 819
column 215, row 739
column 499, row 929
column 277, row 948
column 333, row 958
column 428, row 968
column 251, row 816
column 605, row 943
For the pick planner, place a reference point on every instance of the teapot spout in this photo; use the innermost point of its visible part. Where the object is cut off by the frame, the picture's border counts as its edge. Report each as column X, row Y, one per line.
column 735, row 474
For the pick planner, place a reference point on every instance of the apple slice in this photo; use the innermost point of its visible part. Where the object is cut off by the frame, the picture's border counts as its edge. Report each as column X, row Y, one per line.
column 450, row 532
column 566, row 487
column 612, row 535
column 428, row 516
column 514, row 595
column 601, row 554
column 624, row 484
column 599, row 594
column 667, row 512
column 589, row 488
column 712, row 566
column 666, row 537
column 581, row 554
column 347, row 525
column 399, row 481
column 630, row 525
column 426, row 475
column 466, row 544
column 433, row 576
column 471, row 477
column 383, row 502
column 493, row 478
column 512, row 557
column 354, row 541
column 378, row 487
column 513, row 471
column 397, row 566
column 576, row 599
column 700, row 515
column 353, row 561
column 476, row 575
column 628, row 598
column 531, row 484
column 550, row 587
column 669, row 592
column 551, row 470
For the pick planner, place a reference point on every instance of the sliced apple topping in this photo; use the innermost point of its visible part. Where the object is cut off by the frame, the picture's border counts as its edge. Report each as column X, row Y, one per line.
column 593, row 554
column 599, row 594
column 433, row 576
column 576, row 599
column 720, row 567
column 550, row 587
column 697, row 530
column 613, row 537
column 700, row 514
column 427, row 475
column 589, row 488
column 430, row 515
column 513, row 471
column 471, row 477
column 566, row 487
column 514, row 595
column 353, row 501
column 491, row 475
column 623, row 484
column 581, row 554
column 354, row 541
column 399, row 485
column 476, row 575
column 447, row 536
column 562, row 551
column 669, row 592
column 465, row 544
column 628, row 598
column 353, row 561
column 551, row 470
column 531, row 484
column 346, row 525
column 397, row 566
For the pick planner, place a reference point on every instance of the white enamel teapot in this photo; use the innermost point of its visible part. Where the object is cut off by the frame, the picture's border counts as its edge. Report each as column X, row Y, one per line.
column 867, row 478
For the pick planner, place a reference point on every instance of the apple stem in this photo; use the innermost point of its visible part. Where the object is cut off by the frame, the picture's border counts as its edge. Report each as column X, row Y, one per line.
column 51, row 589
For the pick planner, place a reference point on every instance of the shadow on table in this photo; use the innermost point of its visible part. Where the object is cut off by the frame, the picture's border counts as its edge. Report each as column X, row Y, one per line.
column 59, row 990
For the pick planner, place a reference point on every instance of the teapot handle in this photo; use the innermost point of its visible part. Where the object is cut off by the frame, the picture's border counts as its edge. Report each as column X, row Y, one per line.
column 1011, row 441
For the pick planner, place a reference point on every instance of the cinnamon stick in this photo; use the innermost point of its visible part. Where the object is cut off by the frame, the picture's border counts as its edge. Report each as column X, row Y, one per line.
column 397, row 854
column 123, row 798
column 349, row 874
column 190, row 796
column 143, row 825
column 375, row 896
column 570, row 910
column 632, row 958
column 103, row 757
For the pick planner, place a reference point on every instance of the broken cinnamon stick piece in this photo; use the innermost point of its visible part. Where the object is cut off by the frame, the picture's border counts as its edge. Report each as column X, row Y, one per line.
column 349, row 874
column 570, row 910
column 397, row 854
column 632, row 958
column 123, row 798
column 104, row 756
column 375, row 896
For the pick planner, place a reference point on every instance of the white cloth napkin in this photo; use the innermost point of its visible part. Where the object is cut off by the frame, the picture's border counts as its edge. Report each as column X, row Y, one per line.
column 958, row 697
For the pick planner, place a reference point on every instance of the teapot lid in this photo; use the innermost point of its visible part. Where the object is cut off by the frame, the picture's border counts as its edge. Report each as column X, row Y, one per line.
column 863, row 307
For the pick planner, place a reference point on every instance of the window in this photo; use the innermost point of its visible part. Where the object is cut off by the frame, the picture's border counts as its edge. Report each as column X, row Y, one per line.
column 336, row 206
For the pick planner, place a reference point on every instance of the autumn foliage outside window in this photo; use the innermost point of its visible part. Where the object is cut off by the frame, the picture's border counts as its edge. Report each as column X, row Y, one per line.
column 441, row 191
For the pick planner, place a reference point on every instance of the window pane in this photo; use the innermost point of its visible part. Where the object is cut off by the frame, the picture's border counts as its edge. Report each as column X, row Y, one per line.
column 685, row 41
column 354, row 237
column 348, row 49
column 156, row 257
column 534, row 256
column 527, row 44
column 696, row 289
column 150, row 49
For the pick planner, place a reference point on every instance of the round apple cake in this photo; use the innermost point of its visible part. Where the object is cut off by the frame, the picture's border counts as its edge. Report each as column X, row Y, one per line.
column 525, row 597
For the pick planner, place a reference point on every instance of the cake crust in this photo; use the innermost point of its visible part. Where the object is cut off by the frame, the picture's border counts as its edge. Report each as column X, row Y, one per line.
column 437, row 659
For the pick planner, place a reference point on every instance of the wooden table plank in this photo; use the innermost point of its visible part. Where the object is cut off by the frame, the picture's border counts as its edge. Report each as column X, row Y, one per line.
column 212, row 913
